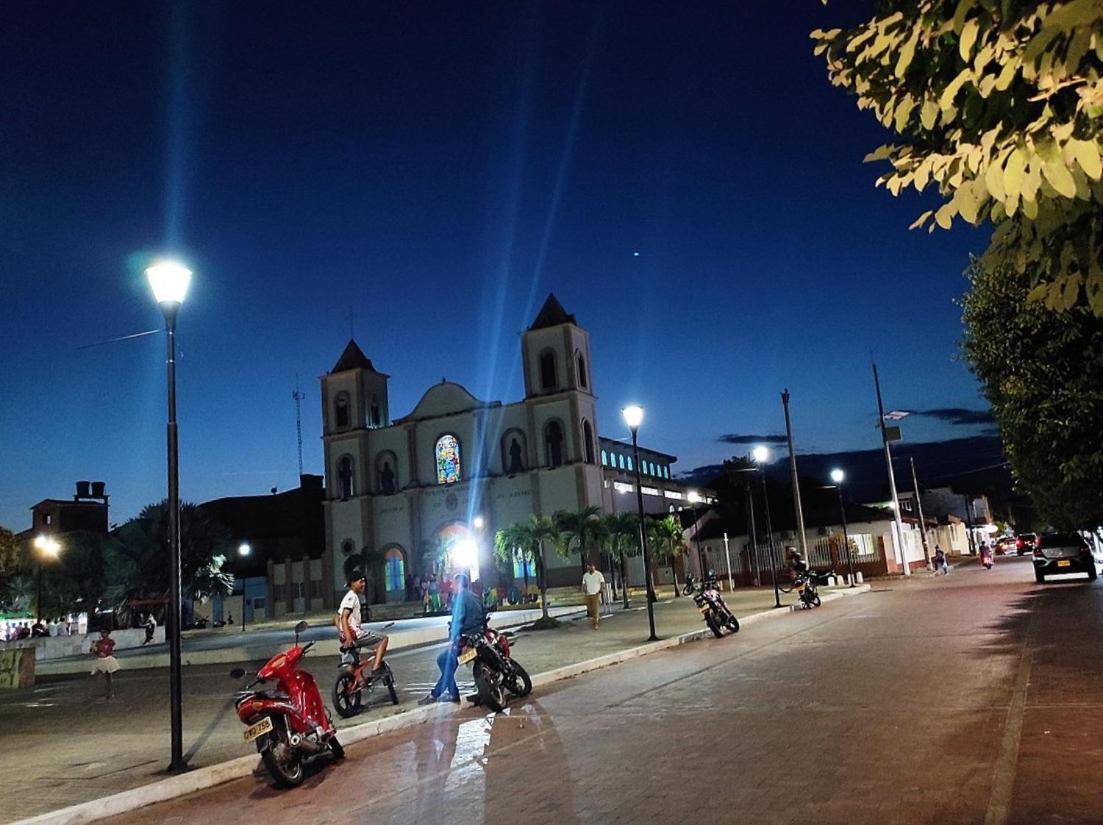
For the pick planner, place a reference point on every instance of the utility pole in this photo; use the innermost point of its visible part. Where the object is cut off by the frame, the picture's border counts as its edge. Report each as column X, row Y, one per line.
column 892, row 477
column 298, row 396
column 795, row 480
column 753, row 535
column 919, row 505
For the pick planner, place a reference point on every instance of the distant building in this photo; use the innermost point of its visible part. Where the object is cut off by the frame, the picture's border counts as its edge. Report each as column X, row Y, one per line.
column 86, row 511
column 427, row 491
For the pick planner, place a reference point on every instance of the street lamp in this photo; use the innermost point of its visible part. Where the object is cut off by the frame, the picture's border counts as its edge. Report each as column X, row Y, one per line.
column 761, row 455
column 694, row 499
column 244, row 550
column 46, row 546
column 633, row 417
column 838, row 476
column 169, row 281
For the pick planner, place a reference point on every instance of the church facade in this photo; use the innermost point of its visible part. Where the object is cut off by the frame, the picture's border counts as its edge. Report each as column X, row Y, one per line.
column 428, row 490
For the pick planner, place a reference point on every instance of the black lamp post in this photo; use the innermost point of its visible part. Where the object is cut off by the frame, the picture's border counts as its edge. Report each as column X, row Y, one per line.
column 695, row 498
column 633, row 417
column 169, row 281
column 838, row 476
column 761, row 455
column 243, row 550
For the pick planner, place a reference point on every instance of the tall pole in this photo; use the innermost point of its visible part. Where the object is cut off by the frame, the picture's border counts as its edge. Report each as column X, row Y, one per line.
column 793, row 475
column 922, row 521
column 38, row 593
column 846, row 538
column 770, row 539
column 753, row 535
column 969, row 526
column 892, row 477
column 697, row 541
column 643, row 538
column 177, row 762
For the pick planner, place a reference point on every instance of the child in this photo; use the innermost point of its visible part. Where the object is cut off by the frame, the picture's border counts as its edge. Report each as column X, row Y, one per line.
column 105, row 663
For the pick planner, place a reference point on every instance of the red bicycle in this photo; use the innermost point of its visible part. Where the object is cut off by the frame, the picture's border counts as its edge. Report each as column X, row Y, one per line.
column 289, row 724
column 354, row 687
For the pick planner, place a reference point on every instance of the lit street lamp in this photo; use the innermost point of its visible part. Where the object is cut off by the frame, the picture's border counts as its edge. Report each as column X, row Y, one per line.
column 243, row 550
column 694, row 499
column 761, row 455
column 169, row 281
column 46, row 546
column 633, row 417
column 838, row 476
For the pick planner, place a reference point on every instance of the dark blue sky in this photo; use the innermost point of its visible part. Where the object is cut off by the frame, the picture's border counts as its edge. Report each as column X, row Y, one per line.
column 437, row 168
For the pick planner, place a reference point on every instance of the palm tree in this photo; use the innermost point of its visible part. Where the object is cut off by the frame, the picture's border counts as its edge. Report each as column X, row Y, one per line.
column 622, row 539
column 530, row 538
column 668, row 541
column 582, row 531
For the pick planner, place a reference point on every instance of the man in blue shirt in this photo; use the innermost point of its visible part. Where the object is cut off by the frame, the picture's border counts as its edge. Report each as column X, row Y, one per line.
column 467, row 618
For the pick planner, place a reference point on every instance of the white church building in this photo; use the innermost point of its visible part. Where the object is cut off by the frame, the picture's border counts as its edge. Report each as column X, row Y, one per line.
column 429, row 489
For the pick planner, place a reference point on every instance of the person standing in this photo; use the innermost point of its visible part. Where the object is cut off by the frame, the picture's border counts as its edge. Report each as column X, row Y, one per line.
column 106, row 663
column 150, row 624
column 467, row 618
column 940, row 565
column 434, row 594
column 592, row 584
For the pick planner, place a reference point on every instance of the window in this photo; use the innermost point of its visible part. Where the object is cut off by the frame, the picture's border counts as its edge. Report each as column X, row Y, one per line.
column 342, row 409
column 259, row 604
column 666, row 472
column 629, row 462
column 621, row 459
column 581, row 371
column 588, row 441
column 448, row 459
column 375, row 418
column 553, row 443
column 604, row 459
column 345, row 487
column 523, row 569
column 297, row 590
column 396, row 570
column 548, row 378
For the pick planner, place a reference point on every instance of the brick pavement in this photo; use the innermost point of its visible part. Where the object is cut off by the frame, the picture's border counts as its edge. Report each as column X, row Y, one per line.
column 892, row 708
column 64, row 744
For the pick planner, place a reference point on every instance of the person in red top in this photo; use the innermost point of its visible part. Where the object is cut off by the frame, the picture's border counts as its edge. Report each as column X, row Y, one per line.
column 106, row 663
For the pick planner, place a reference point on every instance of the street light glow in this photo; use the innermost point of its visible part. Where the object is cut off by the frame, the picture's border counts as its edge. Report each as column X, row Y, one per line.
column 478, row 522
column 169, row 281
column 761, row 454
column 464, row 553
column 244, row 549
column 47, row 545
column 837, row 475
column 633, row 416
column 693, row 496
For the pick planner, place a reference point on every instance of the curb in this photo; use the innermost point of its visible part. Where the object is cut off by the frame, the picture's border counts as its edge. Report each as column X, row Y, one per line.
column 207, row 777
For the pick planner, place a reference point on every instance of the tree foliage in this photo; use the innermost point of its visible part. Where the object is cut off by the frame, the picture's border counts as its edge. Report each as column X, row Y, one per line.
column 529, row 539
column 10, row 557
column 1042, row 372
column 581, row 531
column 997, row 105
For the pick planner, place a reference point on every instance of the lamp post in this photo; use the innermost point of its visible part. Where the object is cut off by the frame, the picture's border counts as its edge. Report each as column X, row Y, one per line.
column 169, row 281
column 243, row 550
column 633, row 417
column 46, row 546
column 761, row 455
column 694, row 499
column 838, row 476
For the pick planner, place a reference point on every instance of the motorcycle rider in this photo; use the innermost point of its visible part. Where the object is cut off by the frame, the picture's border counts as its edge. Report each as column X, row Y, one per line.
column 353, row 635
column 796, row 561
column 468, row 617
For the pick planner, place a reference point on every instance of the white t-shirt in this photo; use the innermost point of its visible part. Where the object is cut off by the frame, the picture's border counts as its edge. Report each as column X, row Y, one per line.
column 351, row 602
column 593, row 582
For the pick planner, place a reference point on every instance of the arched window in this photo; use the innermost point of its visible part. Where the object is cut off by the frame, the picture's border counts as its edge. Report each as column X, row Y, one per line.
column 386, row 467
column 629, row 462
column 621, row 459
column 513, row 452
column 395, row 566
column 375, row 417
column 553, row 443
column 341, row 410
column 448, row 459
column 345, row 482
column 604, row 459
column 523, row 568
column 581, row 361
column 666, row 472
column 548, row 378
column 588, row 441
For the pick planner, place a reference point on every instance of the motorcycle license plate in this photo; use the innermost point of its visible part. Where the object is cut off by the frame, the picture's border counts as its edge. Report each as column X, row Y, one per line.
column 259, row 729
column 467, row 656
column 704, row 608
column 1064, row 563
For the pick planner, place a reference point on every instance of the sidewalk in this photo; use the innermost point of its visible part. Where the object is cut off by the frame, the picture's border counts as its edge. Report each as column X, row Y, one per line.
column 64, row 744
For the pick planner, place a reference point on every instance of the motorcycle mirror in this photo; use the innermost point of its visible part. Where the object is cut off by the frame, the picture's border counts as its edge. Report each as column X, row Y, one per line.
column 300, row 628
column 237, row 673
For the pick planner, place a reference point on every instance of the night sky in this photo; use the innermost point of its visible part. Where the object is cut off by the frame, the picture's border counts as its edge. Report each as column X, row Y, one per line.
column 684, row 178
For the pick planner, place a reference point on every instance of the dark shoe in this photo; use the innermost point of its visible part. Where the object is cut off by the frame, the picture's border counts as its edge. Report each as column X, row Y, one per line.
column 428, row 700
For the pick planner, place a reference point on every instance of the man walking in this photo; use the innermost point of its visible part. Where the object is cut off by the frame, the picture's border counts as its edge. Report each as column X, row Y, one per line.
column 592, row 584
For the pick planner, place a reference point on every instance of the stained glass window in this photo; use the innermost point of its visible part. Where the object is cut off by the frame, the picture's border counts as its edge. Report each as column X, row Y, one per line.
column 448, row 459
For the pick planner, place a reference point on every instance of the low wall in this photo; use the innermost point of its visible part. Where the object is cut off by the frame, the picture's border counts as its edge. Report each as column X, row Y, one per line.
column 60, row 647
column 17, row 666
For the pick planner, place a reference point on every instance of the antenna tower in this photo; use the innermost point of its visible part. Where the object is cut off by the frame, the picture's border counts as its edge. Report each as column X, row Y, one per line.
column 299, row 396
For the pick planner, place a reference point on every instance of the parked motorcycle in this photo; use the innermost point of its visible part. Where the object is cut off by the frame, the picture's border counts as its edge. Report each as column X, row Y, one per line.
column 706, row 595
column 495, row 670
column 806, row 584
column 354, row 688
column 289, row 723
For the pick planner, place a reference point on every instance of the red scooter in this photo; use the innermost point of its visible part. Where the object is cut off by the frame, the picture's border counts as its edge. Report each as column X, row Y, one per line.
column 289, row 724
